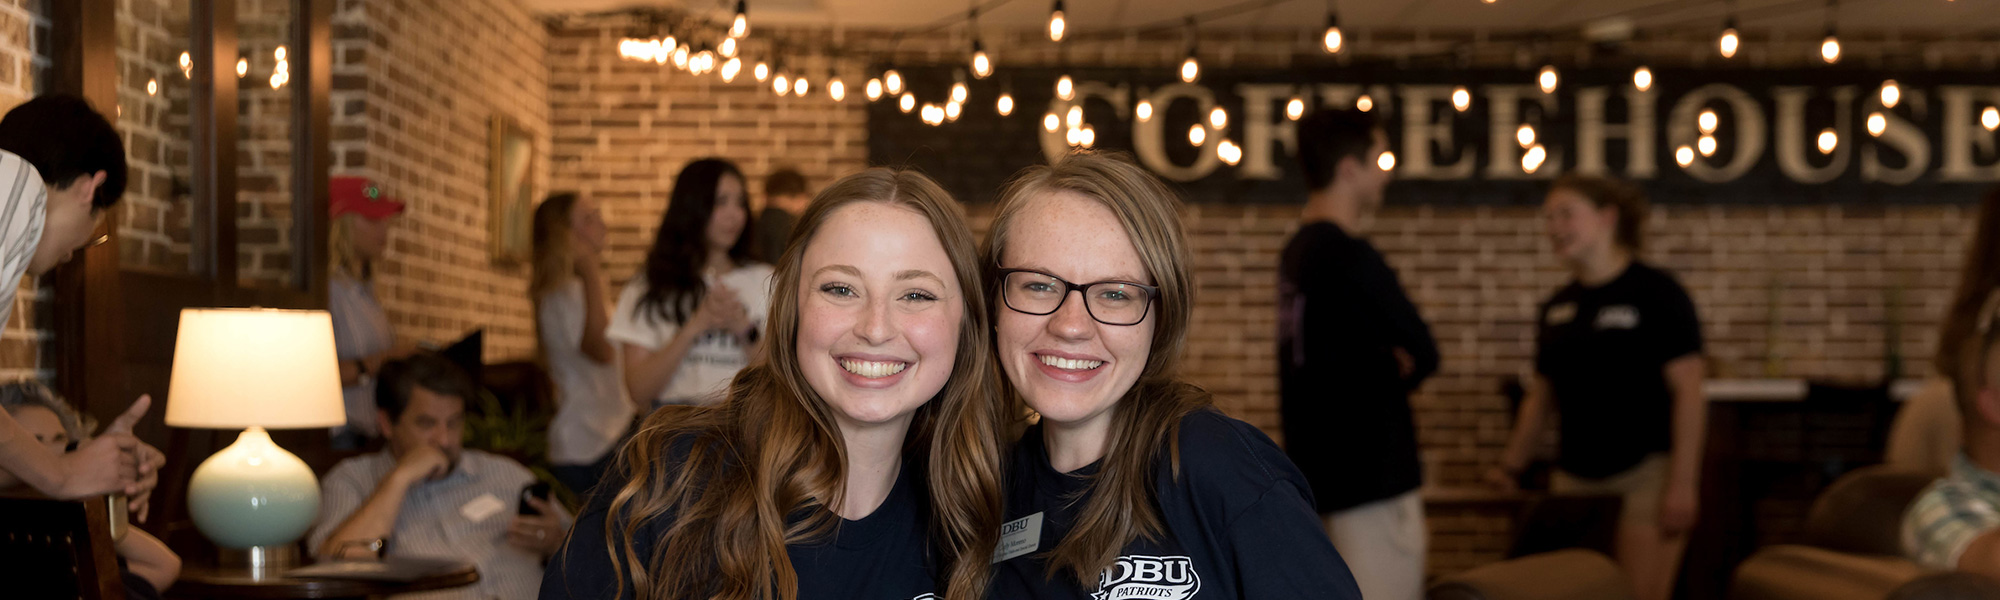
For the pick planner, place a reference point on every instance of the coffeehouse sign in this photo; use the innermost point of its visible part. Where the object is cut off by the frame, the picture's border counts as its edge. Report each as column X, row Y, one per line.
column 1457, row 136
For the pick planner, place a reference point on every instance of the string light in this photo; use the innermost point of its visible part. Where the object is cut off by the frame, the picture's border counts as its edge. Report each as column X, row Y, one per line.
column 762, row 71
column 741, row 25
column 1075, row 117
column 873, row 89
column 1229, row 152
column 1295, row 108
column 281, row 72
column 932, row 115
column 1332, row 40
column 1145, row 110
column 892, row 81
column 680, row 57
column 1065, row 88
column 1364, row 104
column 1087, row 135
column 836, row 89
column 1190, row 68
column 278, row 53
column 1642, row 78
column 1829, row 50
column 1525, row 134
column 1461, row 98
column 1056, row 24
column 1706, row 121
column 1990, row 118
column 982, row 65
column 799, row 86
column 1828, row 140
column 187, row 65
column 727, row 48
column 1706, row 145
column 1684, row 155
column 1729, row 41
column 1006, row 104
column 958, row 92
column 1533, row 159
column 731, row 69
column 1386, row 162
column 908, row 103
column 1877, row 124
column 242, row 67
column 952, row 110
column 1197, row 135
column 153, row 87
column 1547, row 79
column 1218, row 118
column 1050, row 122
column 780, row 84
column 1073, row 137
column 1891, row 93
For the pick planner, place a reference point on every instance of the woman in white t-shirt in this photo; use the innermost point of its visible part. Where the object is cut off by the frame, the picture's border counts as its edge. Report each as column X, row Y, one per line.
column 571, row 316
column 691, row 318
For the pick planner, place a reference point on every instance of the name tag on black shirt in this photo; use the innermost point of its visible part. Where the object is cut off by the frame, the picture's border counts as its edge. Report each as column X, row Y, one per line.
column 1019, row 537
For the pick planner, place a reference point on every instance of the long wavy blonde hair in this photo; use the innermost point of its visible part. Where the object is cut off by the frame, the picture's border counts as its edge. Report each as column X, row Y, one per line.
column 730, row 474
column 342, row 258
column 1146, row 420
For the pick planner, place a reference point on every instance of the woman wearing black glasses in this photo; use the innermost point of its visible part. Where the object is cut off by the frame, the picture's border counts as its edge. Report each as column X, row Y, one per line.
column 1131, row 485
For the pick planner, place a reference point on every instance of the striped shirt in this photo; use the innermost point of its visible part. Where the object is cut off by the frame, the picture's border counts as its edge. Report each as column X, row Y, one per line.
column 1952, row 512
column 430, row 523
column 25, row 197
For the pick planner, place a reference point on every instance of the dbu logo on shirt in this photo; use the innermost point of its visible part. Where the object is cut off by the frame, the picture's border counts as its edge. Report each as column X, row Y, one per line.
column 1148, row 578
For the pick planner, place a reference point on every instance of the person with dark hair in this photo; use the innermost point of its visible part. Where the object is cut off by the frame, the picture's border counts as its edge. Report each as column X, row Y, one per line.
column 1618, row 352
column 61, row 166
column 1954, row 525
column 571, row 317
column 785, row 196
column 424, row 495
column 1351, row 348
column 1925, row 435
column 692, row 317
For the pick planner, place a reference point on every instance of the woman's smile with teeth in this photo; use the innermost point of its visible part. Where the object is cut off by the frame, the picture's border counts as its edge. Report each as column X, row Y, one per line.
column 872, row 369
column 1070, row 364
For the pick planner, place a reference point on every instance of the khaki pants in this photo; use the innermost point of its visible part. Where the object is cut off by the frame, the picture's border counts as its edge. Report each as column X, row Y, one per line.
column 1384, row 543
column 1640, row 485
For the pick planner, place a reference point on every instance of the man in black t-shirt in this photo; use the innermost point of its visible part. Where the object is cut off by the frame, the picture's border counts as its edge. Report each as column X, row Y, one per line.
column 785, row 198
column 1351, row 348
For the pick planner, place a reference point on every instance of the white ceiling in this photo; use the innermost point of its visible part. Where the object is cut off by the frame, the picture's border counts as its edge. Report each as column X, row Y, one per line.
column 1946, row 17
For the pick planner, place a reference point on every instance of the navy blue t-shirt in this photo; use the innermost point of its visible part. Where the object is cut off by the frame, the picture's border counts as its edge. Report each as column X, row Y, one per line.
column 1239, row 523
column 1605, row 351
column 883, row 556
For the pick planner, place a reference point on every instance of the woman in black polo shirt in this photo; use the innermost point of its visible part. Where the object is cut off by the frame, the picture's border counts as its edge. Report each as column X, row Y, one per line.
column 1618, row 354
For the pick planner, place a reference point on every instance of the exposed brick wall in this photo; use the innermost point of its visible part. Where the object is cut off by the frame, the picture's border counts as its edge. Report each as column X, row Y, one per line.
column 264, row 146
column 622, row 130
column 153, row 223
column 416, row 84
column 22, row 25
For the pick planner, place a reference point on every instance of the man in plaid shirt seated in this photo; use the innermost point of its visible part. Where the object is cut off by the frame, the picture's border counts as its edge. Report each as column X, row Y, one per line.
column 1955, row 523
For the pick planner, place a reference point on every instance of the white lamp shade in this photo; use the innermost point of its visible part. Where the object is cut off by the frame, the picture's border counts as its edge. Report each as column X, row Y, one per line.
column 242, row 368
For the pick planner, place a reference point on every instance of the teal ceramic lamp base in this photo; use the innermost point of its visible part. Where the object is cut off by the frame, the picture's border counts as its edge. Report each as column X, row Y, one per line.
column 253, row 494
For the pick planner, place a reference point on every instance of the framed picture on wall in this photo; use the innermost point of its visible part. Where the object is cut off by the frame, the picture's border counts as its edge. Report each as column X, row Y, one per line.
column 511, row 184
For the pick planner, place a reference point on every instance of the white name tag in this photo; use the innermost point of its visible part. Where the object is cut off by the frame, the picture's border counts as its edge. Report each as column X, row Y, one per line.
column 1018, row 537
column 479, row 509
column 1622, row 316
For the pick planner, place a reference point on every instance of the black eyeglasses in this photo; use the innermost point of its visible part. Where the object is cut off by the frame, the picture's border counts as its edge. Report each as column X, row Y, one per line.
column 1036, row 293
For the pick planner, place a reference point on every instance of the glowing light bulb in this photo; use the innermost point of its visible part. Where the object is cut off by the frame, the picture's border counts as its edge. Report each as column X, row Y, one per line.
column 740, row 26
column 799, row 86
column 1087, row 135
column 1891, row 93
column 932, row 115
column 1006, row 104
column 1074, row 117
column 1050, row 122
column 837, row 90
column 1218, row 118
column 1547, row 79
column 1877, row 124
column 1642, row 78
column 873, row 89
column 1295, row 108
column 1728, row 43
column 1684, row 155
column 958, row 92
column 727, row 48
column 952, row 110
column 1828, row 140
column 892, row 81
column 1533, row 159
column 1525, row 134
column 731, row 69
column 1461, row 99
column 1056, row 23
column 1829, row 50
column 1990, row 118
column 1707, row 121
column 1386, row 162
column 762, row 71
column 187, row 61
column 1332, row 39
column 1364, row 103
column 1073, row 137
column 278, row 53
column 908, row 103
column 1065, row 88
column 1229, row 152
column 982, row 65
column 1705, row 145
column 153, row 87
column 1190, row 69
column 1197, row 135
column 680, row 57
column 1145, row 110
column 242, row 67
column 781, row 84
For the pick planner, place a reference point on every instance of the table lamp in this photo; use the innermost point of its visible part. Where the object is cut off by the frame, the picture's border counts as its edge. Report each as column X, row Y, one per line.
column 254, row 369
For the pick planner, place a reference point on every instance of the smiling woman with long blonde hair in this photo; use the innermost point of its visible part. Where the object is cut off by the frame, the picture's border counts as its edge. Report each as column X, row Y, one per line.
column 857, row 457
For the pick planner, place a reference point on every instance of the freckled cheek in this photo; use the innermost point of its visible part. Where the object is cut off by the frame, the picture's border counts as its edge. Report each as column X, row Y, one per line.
column 933, row 334
column 821, row 325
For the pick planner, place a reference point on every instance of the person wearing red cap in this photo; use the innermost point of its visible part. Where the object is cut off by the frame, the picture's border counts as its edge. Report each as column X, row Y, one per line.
column 358, row 236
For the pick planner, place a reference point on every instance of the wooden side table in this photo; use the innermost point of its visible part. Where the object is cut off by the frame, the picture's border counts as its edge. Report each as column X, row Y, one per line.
column 231, row 583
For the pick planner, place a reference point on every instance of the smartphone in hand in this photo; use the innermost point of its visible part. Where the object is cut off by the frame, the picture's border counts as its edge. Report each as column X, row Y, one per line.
column 539, row 490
